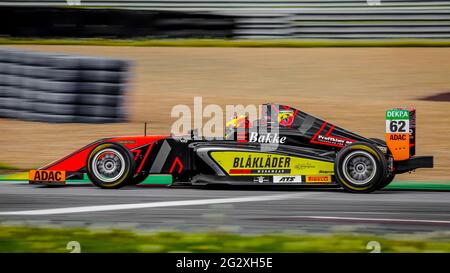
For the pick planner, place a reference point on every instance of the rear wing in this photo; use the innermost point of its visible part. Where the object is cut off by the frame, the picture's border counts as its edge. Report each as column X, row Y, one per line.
column 401, row 132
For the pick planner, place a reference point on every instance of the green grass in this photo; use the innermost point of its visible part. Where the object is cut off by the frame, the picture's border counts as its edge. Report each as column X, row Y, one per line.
column 420, row 185
column 39, row 239
column 229, row 43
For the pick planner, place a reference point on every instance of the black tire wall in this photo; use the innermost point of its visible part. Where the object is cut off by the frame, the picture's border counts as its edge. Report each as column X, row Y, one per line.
column 62, row 88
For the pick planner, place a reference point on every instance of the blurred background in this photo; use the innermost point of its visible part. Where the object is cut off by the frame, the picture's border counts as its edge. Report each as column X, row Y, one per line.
column 78, row 70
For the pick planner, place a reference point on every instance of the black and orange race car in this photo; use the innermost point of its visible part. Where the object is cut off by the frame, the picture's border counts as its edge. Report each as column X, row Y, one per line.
column 303, row 151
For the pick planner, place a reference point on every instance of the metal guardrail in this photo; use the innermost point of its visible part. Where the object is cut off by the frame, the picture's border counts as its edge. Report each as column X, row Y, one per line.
column 230, row 4
column 355, row 24
column 348, row 19
column 239, row 5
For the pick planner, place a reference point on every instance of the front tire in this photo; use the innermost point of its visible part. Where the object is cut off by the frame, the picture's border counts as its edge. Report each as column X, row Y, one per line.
column 110, row 166
column 360, row 167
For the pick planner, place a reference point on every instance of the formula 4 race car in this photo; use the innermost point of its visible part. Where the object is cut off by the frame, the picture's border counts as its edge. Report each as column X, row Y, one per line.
column 303, row 151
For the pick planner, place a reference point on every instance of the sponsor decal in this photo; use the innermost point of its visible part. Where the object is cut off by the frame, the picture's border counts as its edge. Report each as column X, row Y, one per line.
column 126, row 142
column 261, row 179
column 286, row 117
column 318, row 179
column 307, row 165
column 260, row 163
column 398, row 137
column 397, row 114
column 258, row 171
column 329, row 139
column 399, row 145
column 272, row 138
column 47, row 176
column 287, row 179
column 334, row 140
column 271, row 171
column 397, row 121
column 326, row 171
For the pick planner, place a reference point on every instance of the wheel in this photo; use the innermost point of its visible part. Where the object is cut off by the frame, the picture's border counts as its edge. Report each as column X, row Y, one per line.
column 138, row 179
column 390, row 177
column 360, row 167
column 386, row 181
column 110, row 166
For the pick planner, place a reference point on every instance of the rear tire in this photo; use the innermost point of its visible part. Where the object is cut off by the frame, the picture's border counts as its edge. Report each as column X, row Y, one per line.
column 386, row 181
column 390, row 177
column 360, row 167
column 110, row 166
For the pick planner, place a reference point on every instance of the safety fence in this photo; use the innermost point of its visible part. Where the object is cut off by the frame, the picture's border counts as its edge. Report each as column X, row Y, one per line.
column 111, row 23
column 343, row 24
column 62, row 88
column 219, row 5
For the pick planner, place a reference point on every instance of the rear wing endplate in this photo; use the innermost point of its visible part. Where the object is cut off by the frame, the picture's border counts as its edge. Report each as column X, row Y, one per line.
column 401, row 132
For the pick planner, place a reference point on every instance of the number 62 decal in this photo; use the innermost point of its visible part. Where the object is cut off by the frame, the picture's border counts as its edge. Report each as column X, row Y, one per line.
column 397, row 126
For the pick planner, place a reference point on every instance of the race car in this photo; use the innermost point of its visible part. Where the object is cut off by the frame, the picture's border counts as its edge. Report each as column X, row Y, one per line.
column 295, row 148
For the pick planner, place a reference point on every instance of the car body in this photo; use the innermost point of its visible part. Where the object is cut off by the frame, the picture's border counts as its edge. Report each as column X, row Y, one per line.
column 303, row 151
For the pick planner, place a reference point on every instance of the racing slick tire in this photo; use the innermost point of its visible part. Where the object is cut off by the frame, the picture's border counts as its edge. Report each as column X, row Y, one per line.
column 386, row 181
column 110, row 166
column 360, row 167
column 390, row 177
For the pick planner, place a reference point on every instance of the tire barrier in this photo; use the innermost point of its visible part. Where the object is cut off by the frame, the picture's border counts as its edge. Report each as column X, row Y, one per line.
column 62, row 88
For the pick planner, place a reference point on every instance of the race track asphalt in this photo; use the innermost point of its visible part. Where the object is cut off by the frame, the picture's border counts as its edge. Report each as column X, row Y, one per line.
column 230, row 209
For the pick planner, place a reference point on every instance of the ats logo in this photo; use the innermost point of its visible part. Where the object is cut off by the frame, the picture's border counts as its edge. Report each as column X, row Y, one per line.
column 318, row 179
column 287, row 179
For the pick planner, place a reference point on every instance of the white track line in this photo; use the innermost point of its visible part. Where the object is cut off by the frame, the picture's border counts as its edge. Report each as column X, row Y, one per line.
column 155, row 204
column 418, row 221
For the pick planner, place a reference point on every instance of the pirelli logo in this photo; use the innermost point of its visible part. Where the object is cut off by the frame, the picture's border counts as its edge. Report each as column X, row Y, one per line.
column 318, row 179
